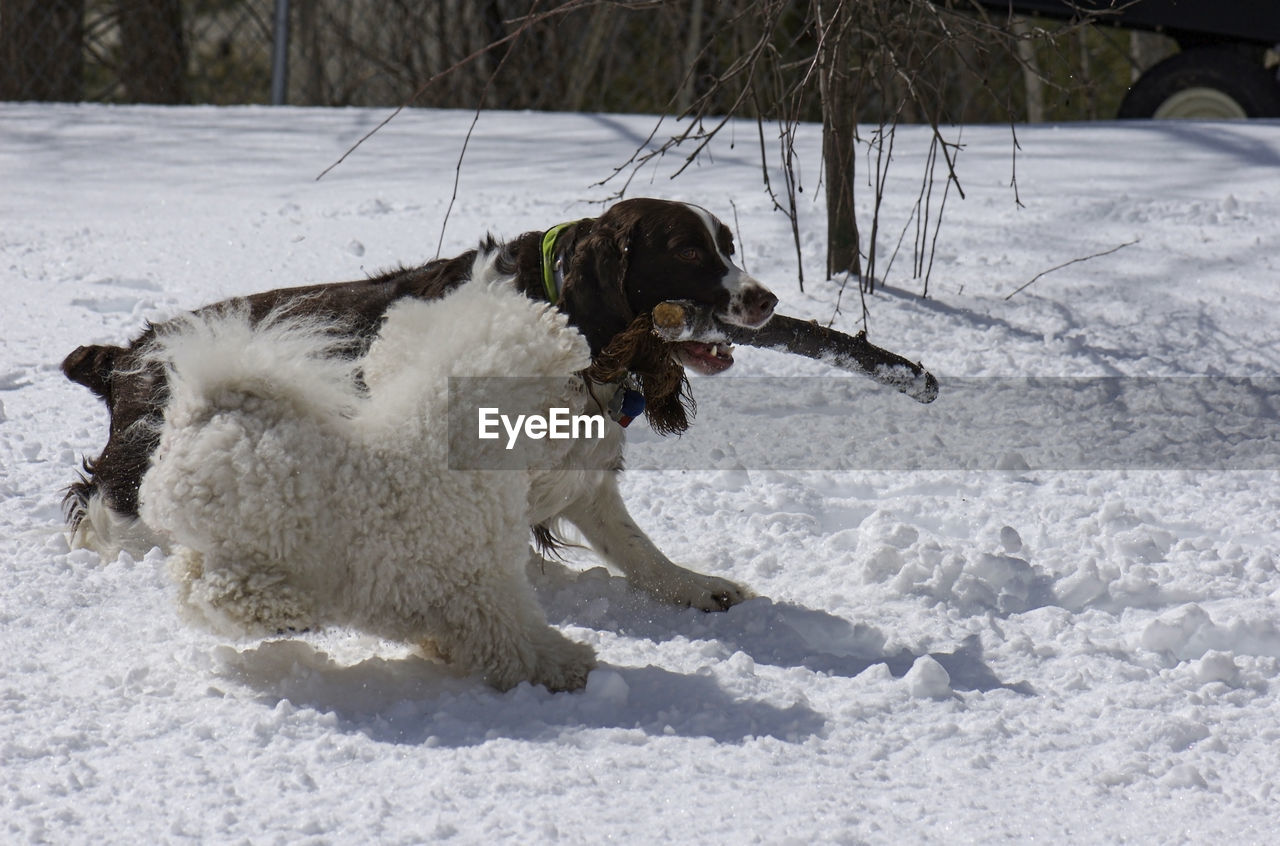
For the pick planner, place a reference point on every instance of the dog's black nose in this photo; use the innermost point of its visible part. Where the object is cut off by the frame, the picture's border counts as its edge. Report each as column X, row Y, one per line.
column 757, row 305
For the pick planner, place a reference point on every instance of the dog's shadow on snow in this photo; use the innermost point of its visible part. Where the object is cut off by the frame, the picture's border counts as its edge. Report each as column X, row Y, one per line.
column 775, row 633
column 414, row 700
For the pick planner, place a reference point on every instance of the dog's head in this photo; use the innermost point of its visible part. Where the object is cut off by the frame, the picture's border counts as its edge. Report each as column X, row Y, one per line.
column 644, row 251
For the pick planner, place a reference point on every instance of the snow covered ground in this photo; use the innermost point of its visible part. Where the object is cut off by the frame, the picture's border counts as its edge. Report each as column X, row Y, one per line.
column 1013, row 652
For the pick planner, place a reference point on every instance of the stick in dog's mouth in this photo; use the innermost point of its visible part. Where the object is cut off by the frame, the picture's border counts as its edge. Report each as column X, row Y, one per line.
column 698, row 333
column 694, row 332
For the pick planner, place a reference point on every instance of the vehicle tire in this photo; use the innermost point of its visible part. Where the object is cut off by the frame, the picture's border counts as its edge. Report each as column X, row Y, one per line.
column 1211, row 83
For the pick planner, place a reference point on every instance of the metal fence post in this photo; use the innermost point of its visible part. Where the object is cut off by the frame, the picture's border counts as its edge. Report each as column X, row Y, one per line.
column 280, row 55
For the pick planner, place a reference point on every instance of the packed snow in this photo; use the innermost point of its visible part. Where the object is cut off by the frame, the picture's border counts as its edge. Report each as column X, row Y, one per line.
column 1015, row 648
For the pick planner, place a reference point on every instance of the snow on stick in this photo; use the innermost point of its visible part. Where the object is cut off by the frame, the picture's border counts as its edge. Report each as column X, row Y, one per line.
column 682, row 320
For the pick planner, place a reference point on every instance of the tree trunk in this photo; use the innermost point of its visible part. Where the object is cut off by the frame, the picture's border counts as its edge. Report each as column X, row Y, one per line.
column 583, row 80
column 1032, row 78
column 1086, row 74
column 153, row 56
column 693, row 44
column 41, row 49
column 839, row 130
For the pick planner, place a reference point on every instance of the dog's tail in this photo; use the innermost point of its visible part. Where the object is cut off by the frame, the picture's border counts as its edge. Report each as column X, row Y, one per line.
column 248, row 403
column 92, row 367
column 216, row 359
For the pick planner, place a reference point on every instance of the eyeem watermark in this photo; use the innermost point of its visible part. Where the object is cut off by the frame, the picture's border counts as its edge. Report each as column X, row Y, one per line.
column 526, row 423
column 557, row 424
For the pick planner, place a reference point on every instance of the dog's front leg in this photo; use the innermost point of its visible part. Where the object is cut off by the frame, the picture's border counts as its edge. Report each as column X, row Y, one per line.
column 602, row 518
column 489, row 621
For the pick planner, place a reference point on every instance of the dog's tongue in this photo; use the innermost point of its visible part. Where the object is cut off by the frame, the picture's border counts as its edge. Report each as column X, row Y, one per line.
column 706, row 358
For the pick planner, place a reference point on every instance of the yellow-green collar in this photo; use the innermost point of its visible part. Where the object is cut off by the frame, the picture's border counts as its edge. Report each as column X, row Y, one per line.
column 551, row 280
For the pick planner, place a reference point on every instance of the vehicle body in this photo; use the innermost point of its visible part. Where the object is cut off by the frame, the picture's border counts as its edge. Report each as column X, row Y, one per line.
column 1227, row 64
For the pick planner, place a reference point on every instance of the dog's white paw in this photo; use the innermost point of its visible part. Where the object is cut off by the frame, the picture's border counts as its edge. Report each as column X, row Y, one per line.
column 237, row 602
column 713, row 594
column 549, row 659
column 688, row 589
column 564, row 667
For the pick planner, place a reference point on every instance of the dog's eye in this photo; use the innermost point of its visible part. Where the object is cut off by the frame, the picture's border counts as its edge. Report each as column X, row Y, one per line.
column 688, row 254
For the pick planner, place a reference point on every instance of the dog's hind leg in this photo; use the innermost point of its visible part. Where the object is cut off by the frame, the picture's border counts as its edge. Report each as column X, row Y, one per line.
column 493, row 625
column 96, row 525
column 249, row 599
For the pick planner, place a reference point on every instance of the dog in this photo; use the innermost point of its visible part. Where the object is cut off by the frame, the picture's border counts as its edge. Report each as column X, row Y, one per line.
column 604, row 274
column 300, row 489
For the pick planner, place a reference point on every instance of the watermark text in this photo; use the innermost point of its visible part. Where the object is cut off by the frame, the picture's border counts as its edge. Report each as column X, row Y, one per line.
column 557, row 424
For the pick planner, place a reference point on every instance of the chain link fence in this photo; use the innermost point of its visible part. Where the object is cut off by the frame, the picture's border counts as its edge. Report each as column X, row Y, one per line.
column 652, row 57
column 342, row 53
column 136, row 51
column 385, row 52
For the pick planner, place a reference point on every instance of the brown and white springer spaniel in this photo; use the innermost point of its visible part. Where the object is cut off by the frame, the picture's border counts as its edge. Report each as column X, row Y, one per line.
column 605, row 273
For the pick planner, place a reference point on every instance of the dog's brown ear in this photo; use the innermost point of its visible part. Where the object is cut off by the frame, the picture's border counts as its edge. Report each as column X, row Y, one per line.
column 593, row 295
column 92, row 367
column 601, row 253
column 612, row 245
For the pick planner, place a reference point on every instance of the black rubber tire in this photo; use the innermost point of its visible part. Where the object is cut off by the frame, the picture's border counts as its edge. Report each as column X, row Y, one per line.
column 1225, row 71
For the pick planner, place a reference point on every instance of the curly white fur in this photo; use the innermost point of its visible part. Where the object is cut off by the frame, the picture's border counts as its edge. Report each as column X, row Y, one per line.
column 294, row 499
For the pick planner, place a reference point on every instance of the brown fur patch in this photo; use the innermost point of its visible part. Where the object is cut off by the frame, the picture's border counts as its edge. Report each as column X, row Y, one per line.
column 668, row 405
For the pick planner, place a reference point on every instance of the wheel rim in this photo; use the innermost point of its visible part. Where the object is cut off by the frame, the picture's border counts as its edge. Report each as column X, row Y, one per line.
column 1202, row 103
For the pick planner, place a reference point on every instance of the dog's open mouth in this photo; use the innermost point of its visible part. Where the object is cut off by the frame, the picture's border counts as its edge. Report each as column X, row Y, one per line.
column 707, row 359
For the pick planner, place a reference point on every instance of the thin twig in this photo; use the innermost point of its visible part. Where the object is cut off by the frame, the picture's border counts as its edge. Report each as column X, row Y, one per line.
column 466, row 142
column 457, row 172
column 1073, row 261
column 738, row 233
column 525, row 23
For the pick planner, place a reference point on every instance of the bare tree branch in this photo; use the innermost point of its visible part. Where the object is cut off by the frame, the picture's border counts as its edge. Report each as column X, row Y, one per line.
column 1114, row 249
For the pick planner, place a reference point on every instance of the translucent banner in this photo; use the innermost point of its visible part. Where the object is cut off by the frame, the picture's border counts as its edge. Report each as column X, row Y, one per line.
column 838, row 423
